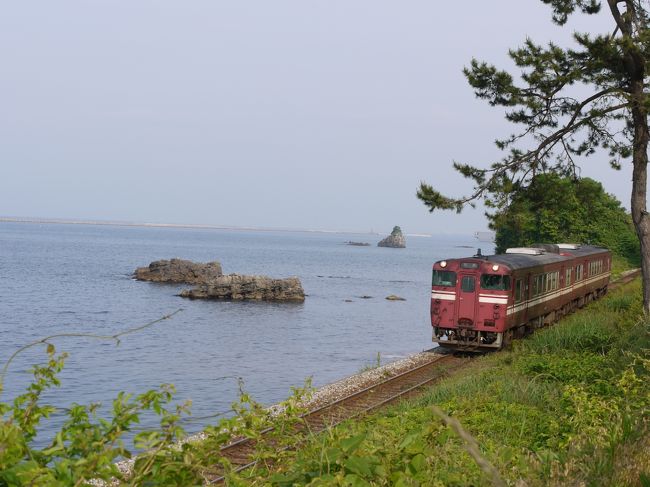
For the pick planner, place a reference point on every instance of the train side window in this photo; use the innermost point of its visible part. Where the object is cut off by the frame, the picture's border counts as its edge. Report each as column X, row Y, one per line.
column 467, row 284
column 537, row 285
column 568, row 277
column 545, row 283
column 518, row 288
column 444, row 278
column 553, row 281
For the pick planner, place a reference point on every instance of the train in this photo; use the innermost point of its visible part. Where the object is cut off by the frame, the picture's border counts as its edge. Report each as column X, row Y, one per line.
column 486, row 301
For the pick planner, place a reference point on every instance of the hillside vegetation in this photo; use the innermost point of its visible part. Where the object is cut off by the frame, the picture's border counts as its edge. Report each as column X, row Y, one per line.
column 563, row 209
column 566, row 406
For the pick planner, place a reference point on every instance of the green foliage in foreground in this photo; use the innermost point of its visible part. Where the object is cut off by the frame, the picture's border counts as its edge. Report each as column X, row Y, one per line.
column 568, row 405
column 558, row 409
column 553, row 208
column 87, row 445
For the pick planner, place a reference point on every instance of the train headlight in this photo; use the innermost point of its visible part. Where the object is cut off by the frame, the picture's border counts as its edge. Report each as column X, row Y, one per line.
column 495, row 267
column 443, row 263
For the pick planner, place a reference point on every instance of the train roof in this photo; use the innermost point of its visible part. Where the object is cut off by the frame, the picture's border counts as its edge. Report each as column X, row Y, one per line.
column 520, row 261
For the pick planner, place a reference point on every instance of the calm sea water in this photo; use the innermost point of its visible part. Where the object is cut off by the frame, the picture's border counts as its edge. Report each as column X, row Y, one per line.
column 76, row 278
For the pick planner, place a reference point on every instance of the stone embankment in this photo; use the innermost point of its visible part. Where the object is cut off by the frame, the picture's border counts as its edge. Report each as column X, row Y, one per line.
column 395, row 240
column 178, row 271
column 211, row 283
column 237, row 287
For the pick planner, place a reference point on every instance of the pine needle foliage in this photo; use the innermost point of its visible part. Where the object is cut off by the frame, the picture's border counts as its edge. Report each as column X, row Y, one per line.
column 568, row 103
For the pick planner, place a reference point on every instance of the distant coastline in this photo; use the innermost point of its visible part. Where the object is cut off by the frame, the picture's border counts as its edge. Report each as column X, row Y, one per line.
column 197, row 226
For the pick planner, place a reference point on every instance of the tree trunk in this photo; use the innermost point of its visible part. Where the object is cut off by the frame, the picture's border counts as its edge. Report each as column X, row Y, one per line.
column 634, row 62
column 639, row 185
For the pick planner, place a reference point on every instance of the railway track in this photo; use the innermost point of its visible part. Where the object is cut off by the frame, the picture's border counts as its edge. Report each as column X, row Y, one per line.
column 240, row 453
column 624, row 279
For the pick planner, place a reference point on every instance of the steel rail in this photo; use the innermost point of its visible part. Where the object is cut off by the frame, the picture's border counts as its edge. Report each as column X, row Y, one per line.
column 347, row 407
column 624, row 279
column 351, row 406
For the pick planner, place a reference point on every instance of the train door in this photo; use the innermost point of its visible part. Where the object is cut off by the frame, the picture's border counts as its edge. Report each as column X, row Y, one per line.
column 466, row 299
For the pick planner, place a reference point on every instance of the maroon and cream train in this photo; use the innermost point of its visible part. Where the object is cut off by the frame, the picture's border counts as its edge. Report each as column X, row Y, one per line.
column 484, row 301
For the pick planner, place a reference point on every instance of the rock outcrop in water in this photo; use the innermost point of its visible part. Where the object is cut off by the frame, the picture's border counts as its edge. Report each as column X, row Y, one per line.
column 393, row 297
column 395, row 240
column 212, row 284
column 179, row 270
column 238, row 287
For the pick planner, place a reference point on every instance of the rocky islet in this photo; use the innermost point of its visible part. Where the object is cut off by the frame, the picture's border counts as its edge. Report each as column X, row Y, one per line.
column 211, row 283
column 178, row 271
column 395, row 240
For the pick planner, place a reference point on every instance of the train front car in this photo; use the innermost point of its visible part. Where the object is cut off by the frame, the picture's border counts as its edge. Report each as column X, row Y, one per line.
column 469, row 299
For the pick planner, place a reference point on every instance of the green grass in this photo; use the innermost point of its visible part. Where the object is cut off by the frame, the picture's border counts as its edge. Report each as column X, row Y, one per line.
column 621, row 264
column 557, row 409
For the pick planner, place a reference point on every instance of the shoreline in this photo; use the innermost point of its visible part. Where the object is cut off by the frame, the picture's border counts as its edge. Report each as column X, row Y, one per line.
column 194, row 226
column 325, row 394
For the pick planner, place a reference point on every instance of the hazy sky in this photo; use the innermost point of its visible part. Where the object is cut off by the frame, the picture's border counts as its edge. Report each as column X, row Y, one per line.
column 302, row 114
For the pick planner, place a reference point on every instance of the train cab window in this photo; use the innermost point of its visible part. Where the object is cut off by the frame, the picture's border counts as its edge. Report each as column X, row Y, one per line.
column 495, row 282
column 467, row 284
column 444, row 278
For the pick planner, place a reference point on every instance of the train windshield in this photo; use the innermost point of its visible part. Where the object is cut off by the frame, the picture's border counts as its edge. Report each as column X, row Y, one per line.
column 444, row 278
column 495, row 282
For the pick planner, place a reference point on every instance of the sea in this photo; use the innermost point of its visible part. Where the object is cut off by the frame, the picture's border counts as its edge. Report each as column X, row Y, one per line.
column 67, row 279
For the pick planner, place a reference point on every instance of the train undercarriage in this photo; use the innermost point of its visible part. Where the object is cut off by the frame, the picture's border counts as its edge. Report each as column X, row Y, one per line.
column 465, row 338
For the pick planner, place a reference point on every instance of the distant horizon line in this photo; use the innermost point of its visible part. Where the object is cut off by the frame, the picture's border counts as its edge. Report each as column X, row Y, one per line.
column 71, row 221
